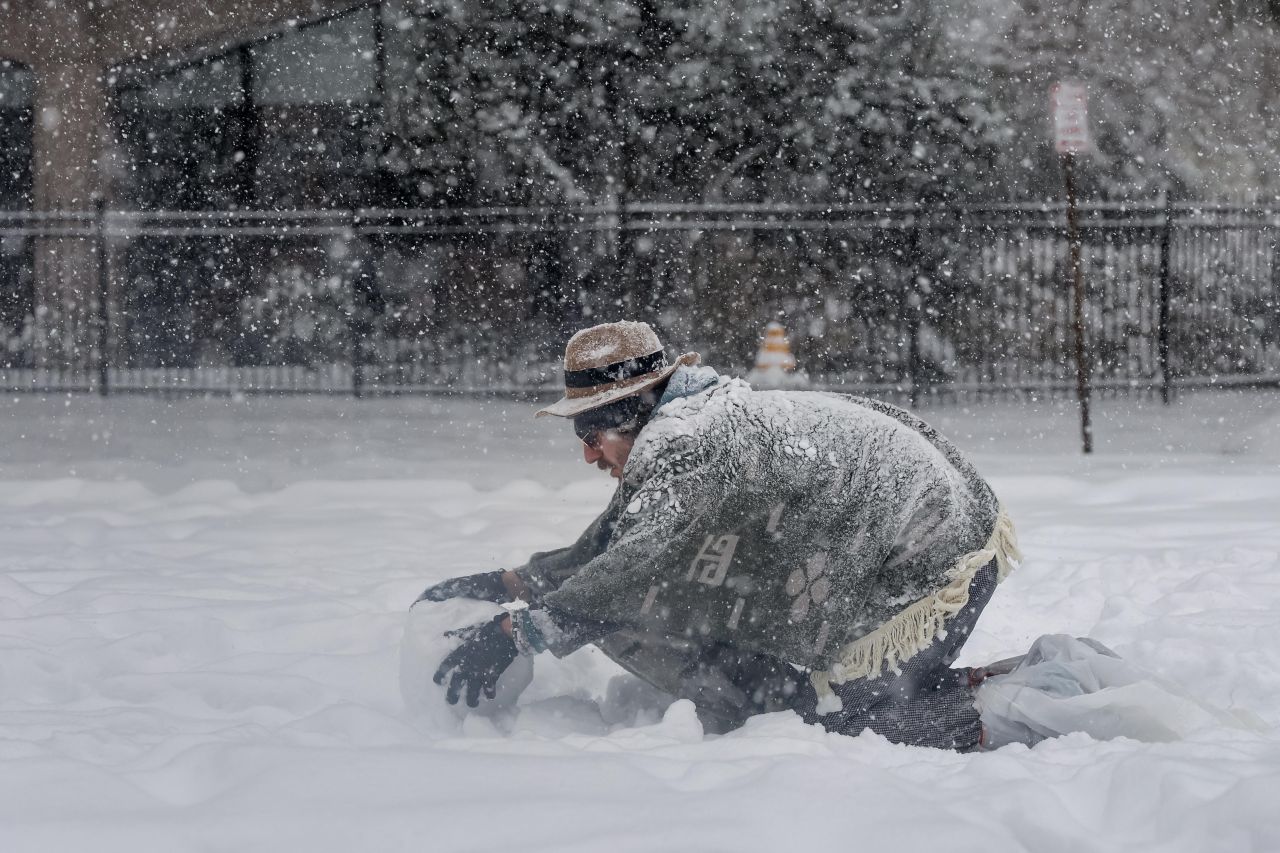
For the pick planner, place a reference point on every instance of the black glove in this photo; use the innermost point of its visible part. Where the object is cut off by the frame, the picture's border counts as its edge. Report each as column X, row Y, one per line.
column 478, row 663
column 486, row 586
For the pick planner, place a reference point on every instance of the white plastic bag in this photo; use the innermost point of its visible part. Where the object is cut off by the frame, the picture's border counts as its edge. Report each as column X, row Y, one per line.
column 425, row 645
column 1079, row 685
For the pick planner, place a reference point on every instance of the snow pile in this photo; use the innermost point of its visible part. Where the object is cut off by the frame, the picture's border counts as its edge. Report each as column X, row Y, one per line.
column 202, row 605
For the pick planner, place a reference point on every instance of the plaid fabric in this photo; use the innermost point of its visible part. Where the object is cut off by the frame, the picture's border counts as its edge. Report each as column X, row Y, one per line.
column 925, row 703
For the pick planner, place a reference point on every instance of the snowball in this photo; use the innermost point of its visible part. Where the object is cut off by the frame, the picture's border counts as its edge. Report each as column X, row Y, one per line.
column 425, row 645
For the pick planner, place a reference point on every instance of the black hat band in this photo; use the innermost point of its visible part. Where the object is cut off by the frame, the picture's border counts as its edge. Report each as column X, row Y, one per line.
column 619, row 371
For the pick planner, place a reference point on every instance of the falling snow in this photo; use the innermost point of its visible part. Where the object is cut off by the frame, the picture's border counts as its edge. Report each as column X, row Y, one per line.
column 281, row 284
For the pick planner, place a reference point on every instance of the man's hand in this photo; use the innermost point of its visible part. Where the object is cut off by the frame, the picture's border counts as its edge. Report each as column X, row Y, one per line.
column 477, row 664
column 486, row 586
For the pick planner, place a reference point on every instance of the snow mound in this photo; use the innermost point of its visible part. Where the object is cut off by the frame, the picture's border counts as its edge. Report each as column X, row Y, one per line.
column 188, row 666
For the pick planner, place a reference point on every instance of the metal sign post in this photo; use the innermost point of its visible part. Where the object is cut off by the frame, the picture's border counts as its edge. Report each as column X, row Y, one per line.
column 1069, row 104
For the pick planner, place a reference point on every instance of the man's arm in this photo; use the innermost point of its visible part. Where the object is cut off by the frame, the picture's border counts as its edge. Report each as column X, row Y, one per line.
column 485, row 586
column 609, row 592
column 547, row 570
column 537, row 630
column 543, row 573
column 600, row 584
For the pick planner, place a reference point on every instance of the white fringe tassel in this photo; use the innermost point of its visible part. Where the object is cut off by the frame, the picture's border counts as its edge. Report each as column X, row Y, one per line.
column 913, row 629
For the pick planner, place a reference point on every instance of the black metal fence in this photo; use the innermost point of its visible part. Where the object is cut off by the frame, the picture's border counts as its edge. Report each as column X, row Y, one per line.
column 898, row 300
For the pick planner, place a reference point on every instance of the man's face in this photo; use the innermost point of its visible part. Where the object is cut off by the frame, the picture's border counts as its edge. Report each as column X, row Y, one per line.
column 608, row 450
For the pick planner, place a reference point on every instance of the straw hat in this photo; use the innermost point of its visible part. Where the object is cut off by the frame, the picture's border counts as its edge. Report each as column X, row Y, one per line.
column 605, row 363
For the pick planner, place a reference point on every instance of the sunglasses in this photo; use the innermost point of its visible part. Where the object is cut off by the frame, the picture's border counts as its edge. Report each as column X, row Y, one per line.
column 589, row 434
column 591, row 425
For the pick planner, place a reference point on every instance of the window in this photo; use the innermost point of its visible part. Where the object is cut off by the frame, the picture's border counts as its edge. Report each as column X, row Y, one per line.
column 332, row 63
column 316, row 96
column 17, row 98
column 17, row 95
column 290, row 121
column 184, row 133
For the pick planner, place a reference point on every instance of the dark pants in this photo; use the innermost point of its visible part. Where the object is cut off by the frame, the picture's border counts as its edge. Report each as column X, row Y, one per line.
column 924, row 703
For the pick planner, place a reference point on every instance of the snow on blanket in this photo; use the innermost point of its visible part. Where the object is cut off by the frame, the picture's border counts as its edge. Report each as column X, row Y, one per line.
column 202, row 603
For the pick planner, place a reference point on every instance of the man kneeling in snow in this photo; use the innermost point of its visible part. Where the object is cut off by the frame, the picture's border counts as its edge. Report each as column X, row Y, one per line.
column 765, row 550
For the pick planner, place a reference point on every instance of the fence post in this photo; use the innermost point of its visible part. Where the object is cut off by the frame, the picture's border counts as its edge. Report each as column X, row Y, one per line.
column 355, row 325
column 104, row 297
column 1083, row 367
column 1162, row 322
column 914, row 302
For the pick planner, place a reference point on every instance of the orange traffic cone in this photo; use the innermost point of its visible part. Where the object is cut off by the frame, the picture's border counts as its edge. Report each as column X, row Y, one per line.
column 775, row 365
column 775, row 350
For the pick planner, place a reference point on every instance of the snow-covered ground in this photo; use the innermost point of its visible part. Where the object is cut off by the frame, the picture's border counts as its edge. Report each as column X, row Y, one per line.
column 201, row 606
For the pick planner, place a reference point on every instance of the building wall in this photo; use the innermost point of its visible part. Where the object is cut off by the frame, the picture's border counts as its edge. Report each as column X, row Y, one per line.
column 69, row 46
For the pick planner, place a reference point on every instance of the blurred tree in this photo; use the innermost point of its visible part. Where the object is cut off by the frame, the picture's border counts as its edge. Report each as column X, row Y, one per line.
column 1179, row 90
column 682, row 101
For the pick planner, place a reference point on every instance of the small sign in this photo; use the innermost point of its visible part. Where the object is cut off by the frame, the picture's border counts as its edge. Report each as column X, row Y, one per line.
column 1069, row 103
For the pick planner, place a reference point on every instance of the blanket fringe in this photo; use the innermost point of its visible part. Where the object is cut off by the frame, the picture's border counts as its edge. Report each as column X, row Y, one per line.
column 913, row 629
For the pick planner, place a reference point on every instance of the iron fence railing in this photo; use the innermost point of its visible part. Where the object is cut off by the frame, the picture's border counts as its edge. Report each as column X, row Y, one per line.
column 905, row 300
